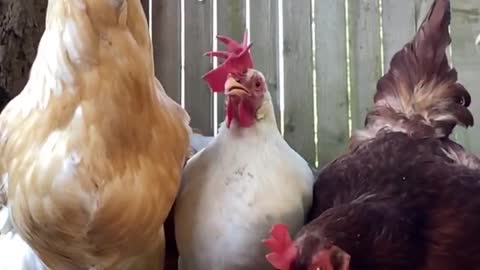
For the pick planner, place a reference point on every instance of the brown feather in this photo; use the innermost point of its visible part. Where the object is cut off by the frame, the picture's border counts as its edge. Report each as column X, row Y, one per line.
column 420, row 93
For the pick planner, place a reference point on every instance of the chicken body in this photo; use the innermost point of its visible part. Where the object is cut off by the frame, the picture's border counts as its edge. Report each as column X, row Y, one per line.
column 244, row 181
column 92, row 148
column 405, row 196
column 400, row 203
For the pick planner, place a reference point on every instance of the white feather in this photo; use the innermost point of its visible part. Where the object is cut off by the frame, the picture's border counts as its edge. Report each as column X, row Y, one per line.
column 198, row 141
column 234, row 190
column 15, row 254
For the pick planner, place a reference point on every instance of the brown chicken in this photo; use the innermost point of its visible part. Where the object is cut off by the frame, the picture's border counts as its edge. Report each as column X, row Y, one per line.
column 405, row 196
column 92, row 149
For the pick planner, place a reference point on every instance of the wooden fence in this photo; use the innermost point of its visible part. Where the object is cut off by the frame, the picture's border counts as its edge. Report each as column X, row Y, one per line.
column 322, row 59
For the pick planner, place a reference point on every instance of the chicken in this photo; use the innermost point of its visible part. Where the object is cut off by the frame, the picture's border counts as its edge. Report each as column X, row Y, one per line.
column 92, row 149
column 245, row 180
column 405, row 196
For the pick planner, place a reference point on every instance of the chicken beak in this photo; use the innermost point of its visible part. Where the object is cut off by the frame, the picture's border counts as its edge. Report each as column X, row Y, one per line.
column 234, row 88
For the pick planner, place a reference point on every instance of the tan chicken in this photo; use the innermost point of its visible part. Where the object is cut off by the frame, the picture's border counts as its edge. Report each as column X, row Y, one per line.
column 92, row 149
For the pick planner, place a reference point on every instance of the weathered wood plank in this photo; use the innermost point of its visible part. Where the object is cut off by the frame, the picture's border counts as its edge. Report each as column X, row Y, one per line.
column 365, row 56
column 263, row 32
column 331, row 71
column 298, row 70
column 166, row 36
column 399, row 27
column 466, row 58
column 198, row 40
column 231, row 21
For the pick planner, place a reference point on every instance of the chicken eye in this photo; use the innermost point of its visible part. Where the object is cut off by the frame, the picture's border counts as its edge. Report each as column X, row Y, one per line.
column 461, row 101
column 258, row 83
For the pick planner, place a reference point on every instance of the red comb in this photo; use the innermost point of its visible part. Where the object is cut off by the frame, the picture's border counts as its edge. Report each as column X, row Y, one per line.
column 237, row 60
column 283, row 250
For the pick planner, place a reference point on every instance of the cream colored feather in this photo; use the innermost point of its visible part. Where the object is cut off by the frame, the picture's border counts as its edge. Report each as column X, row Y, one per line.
column 93, row 147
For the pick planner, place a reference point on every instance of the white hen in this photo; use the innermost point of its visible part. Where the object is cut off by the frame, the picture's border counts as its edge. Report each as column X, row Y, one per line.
column 244, row 181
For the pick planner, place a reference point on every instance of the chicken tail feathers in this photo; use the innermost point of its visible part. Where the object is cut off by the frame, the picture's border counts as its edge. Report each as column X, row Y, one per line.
column 420, row 93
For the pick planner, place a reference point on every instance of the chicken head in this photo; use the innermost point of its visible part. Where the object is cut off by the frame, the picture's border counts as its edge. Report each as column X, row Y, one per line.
column 244, row 86
column 284, row 253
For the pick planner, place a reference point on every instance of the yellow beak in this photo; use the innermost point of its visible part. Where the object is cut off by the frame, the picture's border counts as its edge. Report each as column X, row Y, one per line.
column 235, row 88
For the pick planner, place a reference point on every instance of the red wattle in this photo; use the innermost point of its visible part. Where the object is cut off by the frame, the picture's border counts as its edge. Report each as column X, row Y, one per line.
column 246, row 114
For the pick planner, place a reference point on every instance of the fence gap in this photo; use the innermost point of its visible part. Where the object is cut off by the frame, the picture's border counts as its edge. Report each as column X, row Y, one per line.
column 281, row 66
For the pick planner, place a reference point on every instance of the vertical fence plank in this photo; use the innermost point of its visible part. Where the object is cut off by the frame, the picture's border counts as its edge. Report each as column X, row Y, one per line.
column 231, row 18
column 466, row 58
column 365, row 56
column 399, row 27
column 166, row 36
column 198, row 40
column 263, row 32
column 298, row 70
column 331, row 71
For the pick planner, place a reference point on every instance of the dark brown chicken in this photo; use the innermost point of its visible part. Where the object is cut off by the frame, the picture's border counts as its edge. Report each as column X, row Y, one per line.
column 405, row 196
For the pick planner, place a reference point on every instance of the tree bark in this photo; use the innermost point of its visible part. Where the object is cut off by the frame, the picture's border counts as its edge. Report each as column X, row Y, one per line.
column 22, row 23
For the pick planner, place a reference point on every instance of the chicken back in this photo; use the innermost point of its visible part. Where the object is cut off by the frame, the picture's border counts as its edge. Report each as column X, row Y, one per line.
column 92, row 149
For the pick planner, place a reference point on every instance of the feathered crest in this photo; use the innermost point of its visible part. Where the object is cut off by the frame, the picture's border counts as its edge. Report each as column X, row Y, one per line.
column 421, row 87
column 237, row 60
